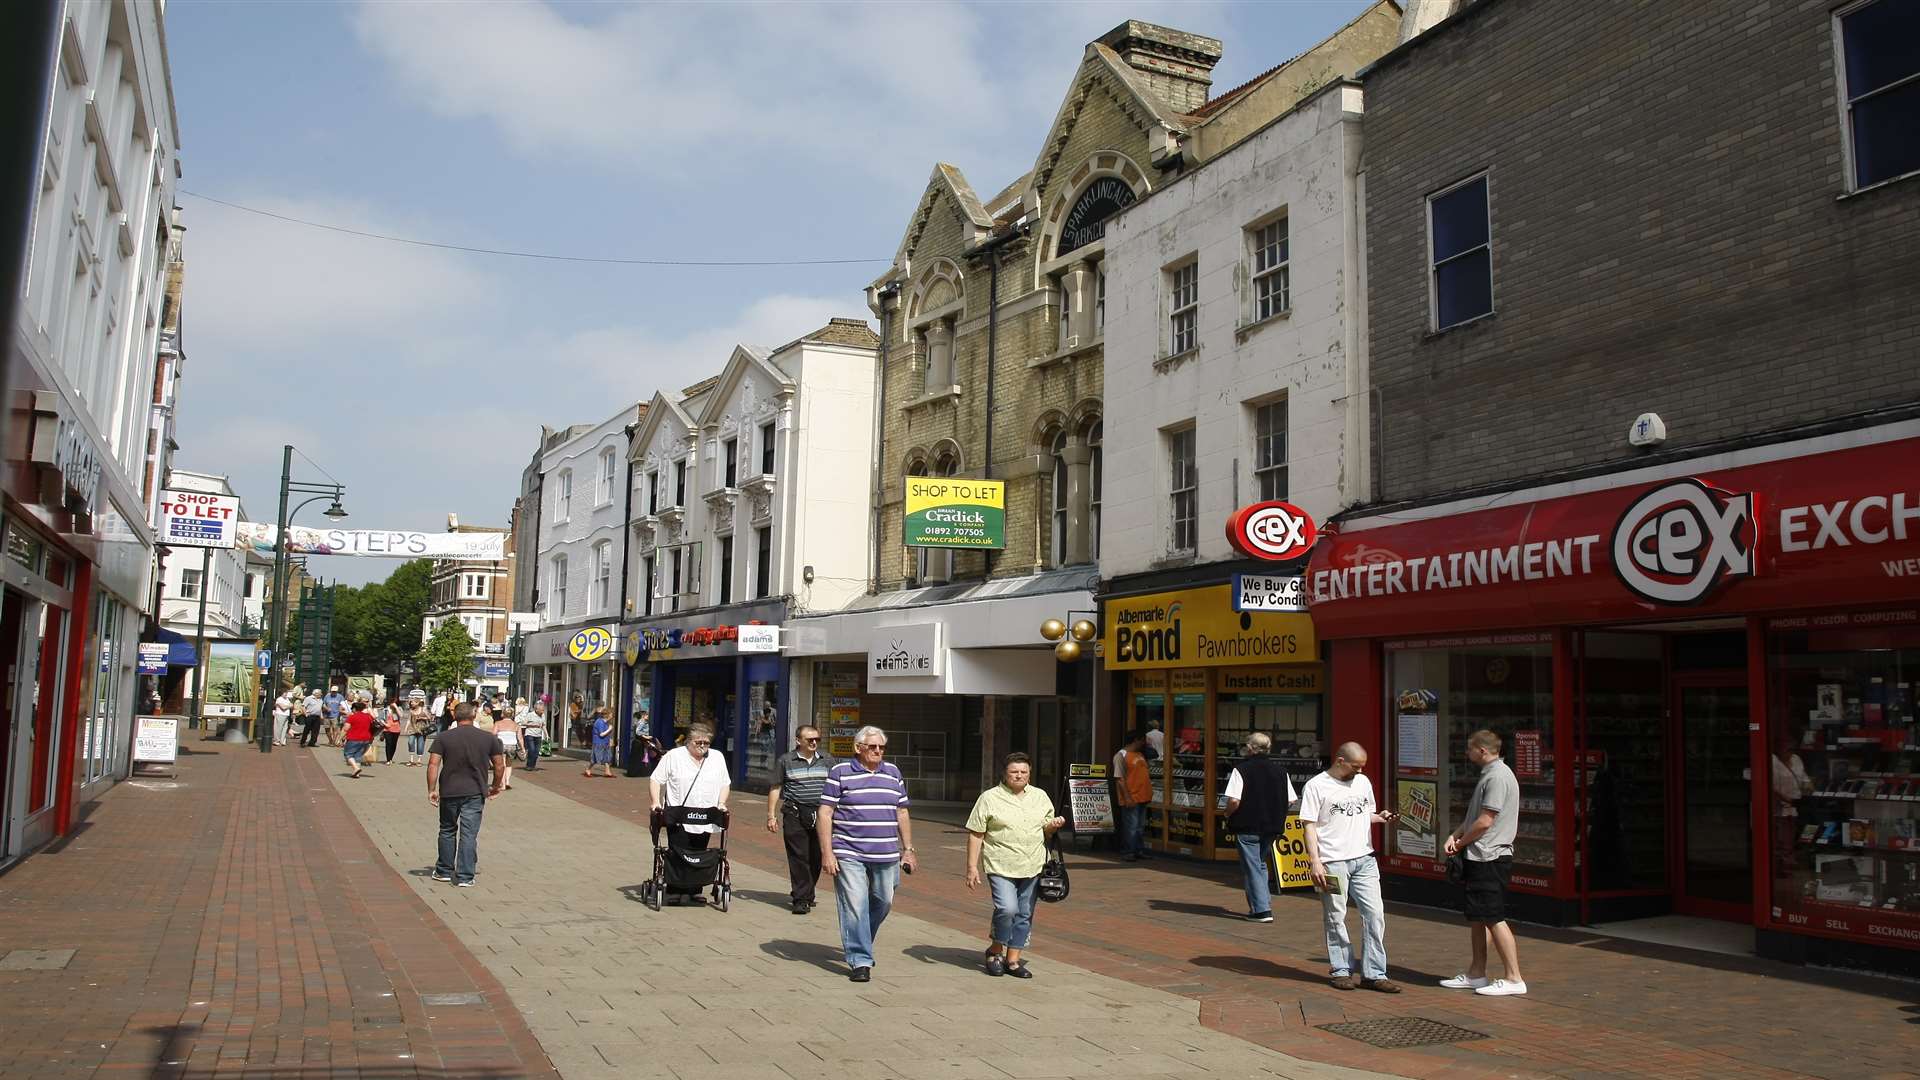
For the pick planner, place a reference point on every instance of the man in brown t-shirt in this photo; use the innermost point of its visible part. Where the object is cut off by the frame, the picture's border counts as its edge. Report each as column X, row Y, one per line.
column 458, row 783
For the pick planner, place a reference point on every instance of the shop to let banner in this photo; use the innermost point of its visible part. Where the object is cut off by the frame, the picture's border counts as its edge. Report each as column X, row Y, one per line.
column 949, row 512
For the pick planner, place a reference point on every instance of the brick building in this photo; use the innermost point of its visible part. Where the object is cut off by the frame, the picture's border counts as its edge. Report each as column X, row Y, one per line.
column 993, row 337
column 1643, row 360
column 479, row 594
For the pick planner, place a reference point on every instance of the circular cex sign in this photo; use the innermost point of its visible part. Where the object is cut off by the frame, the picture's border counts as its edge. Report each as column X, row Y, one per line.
column 1272, row 530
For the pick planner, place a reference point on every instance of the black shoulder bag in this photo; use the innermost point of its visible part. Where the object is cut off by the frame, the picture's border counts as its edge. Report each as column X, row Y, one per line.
column 1052, row 885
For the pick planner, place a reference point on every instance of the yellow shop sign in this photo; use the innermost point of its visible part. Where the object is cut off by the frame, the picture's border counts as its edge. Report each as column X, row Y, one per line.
column 1199, row 628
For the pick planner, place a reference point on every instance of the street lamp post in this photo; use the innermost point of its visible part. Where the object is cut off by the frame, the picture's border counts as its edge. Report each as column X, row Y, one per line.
column 336, row 512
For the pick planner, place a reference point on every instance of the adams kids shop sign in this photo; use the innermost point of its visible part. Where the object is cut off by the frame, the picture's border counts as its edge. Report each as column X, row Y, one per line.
column 1199, row 628
column 1824, row 530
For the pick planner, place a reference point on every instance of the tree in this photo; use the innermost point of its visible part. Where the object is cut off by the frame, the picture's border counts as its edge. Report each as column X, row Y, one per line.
column 446, row 660
column 377, row 626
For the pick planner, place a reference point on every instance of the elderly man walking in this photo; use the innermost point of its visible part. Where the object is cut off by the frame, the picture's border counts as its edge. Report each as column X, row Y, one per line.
column 458, row 783
column 1258, row 794
column 866, row 839
column 793, row 811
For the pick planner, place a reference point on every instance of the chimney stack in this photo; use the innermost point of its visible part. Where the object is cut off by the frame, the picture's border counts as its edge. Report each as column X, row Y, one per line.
column 1175, row 65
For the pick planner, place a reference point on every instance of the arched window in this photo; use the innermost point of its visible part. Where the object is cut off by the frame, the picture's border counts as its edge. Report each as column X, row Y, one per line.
column 1093, row 490
column 1058, row 449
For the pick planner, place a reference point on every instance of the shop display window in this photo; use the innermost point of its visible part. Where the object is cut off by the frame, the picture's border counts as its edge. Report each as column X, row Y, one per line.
column 1844, row 778
column 1439, row 695
column 1293, row 721
column 1187, row 759
column 1624, row 695
column 765, row 741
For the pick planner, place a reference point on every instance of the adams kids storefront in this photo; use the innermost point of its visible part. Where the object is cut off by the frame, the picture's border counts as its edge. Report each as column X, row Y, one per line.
column 1704, row 673
column 1199, row 677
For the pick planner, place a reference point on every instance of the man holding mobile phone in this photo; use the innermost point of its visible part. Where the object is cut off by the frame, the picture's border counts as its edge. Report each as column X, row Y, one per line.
column 1339, row 813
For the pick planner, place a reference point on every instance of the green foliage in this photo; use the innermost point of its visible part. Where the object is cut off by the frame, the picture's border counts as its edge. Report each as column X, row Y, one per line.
column 446, row 660
column 377, row 626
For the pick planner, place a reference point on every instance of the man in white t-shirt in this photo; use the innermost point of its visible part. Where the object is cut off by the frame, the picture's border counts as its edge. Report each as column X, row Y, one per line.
column 1338, row 810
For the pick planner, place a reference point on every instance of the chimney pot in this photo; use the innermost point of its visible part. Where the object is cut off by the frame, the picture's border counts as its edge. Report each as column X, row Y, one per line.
column 1175, row 65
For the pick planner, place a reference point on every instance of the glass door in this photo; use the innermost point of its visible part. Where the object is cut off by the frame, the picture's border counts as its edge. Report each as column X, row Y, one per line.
column 1715, row 858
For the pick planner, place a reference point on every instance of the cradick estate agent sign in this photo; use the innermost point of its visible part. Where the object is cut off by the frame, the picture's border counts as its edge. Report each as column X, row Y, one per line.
column 951, row 512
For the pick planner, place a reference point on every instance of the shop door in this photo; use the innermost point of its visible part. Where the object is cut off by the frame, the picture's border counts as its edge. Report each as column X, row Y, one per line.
column 13, row 722
column 1715, row 849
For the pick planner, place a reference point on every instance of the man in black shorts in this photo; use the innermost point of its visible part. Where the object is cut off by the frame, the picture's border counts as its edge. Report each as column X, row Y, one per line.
column 1485, row 837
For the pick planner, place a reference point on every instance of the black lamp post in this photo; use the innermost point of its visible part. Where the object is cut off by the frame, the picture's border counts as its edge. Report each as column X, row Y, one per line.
column 334, row 511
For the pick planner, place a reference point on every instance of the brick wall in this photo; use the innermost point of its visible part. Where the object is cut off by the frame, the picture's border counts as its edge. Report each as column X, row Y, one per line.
column 1669, row 235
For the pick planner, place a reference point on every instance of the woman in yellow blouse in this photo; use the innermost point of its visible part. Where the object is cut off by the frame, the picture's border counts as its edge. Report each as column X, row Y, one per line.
column 1007, row 840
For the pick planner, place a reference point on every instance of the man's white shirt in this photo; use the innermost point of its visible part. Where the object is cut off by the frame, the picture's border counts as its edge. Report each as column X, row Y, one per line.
column 1340, row 812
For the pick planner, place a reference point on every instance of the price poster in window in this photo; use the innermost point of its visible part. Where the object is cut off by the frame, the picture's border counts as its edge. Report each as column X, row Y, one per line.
column 1417, row 743
column 1413, row 832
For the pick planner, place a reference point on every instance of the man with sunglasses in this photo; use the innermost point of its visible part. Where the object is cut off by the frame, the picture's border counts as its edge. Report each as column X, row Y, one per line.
column 793, row 810
column 868, row 841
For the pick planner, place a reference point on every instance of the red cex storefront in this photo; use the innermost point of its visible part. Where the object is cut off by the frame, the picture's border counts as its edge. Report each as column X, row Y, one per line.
column 1705, row 675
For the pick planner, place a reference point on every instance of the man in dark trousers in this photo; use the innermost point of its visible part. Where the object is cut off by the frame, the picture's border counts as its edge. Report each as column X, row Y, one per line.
column 459, row 783
column 793, row 810
column 1258, row 794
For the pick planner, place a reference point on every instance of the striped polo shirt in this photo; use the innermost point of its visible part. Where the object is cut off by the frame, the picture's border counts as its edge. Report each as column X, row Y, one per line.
column 801, row 781
column 866, row 826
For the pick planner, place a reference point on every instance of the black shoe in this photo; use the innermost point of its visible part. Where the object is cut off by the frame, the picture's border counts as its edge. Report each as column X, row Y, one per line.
column 800, row 907
column 861, row 974
column 1019, row 970
column 996, row 965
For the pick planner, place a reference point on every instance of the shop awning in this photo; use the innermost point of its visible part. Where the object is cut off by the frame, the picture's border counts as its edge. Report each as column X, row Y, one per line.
column 180, row 651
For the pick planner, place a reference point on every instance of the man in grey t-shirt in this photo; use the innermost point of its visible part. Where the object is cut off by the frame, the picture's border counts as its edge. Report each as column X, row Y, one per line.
column 1485, row 838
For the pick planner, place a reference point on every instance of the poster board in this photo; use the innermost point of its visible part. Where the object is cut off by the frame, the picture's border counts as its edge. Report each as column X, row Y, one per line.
column 232, row 679
column 1414, row 830
column 156, row 740
column 1290, row 856
column 1089, row 800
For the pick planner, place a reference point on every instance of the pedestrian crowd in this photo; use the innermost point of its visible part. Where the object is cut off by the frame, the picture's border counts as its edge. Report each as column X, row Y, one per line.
column 850, row 820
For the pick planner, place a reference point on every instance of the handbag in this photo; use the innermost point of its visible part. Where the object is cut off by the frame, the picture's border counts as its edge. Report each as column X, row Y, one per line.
column 1052, row 885
column 1457, row 868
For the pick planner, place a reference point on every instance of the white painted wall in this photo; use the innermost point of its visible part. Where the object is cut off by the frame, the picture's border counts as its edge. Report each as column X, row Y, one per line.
column 226, row 572
column 590, row 517
column 1305, row 164
column 831, row 509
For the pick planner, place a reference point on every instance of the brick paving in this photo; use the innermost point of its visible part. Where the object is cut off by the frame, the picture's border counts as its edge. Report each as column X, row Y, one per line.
column 1596, row 1006
column 613, row 989
column 234, row 920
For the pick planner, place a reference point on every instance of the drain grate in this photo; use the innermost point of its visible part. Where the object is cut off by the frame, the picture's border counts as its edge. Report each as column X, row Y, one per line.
column 1399, row 1032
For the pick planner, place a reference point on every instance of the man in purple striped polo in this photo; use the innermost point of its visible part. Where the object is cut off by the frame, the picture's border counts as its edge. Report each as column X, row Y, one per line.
column 865, row 838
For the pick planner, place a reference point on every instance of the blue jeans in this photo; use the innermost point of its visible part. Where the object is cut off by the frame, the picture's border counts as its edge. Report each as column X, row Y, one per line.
column 1253, row 863
column 532, row 743
column 416, row 745
column 865, row 893
column 459, row 836
column 1360, row 882
column 1133, row 828
column 1012, row 909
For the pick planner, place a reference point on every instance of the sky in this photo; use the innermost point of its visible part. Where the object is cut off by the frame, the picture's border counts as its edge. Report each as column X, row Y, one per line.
column 418, row 377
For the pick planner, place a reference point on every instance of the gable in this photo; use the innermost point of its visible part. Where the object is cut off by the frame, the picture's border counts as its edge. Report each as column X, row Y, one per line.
column 948, row 197
column 1103, row 88
column 747, row 389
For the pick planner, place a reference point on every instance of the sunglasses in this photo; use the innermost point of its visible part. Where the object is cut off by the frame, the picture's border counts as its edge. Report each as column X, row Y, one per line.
column 809, row 738
column 876, row 747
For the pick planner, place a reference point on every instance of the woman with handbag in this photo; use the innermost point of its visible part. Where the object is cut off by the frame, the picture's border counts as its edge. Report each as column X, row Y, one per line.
column 420, row 725
column 392, row 721
column 1007, row 836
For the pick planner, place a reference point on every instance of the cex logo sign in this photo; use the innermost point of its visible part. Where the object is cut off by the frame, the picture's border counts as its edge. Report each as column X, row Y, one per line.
column 1271, row 530
column 1680, row 541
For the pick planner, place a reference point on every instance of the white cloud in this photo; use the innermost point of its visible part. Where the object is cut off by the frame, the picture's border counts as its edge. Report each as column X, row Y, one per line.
column 255, row 283
column 882, row 89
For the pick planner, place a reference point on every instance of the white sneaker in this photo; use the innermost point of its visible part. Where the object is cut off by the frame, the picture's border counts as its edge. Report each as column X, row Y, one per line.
column 1502, row 988
column 1464, row 982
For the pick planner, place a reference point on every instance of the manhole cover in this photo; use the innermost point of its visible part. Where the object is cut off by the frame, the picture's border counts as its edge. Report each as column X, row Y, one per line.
column 36, row 959
column 1397, row 1032
column 450, row 999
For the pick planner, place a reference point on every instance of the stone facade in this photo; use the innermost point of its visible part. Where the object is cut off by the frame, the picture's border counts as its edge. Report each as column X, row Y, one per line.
column 997, row 373
column 1672, row 231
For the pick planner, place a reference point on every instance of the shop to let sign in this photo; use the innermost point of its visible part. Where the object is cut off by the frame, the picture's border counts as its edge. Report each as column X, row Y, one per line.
column 948, row 512
column 198, row 519
column 1088, row 798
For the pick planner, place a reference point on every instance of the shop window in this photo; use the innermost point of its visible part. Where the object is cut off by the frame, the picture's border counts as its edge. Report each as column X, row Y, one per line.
column 1881, row 88
column 1624, row 696
column 765, row 740
column 1436, row 697
column 1844, row 826
column 1294, row 722
column 1462, row 237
